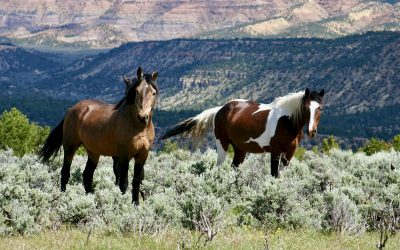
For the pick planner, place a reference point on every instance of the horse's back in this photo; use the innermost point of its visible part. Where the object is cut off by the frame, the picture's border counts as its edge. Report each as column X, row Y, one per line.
column 88, row 110
column 87, row 122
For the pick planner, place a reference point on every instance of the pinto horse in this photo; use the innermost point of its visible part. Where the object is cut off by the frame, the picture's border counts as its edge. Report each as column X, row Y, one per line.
column 257, row 128
column 123, row 131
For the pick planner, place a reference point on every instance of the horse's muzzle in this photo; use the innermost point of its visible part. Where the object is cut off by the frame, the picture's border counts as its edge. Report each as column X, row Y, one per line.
column 312, row 133
column 143, row 119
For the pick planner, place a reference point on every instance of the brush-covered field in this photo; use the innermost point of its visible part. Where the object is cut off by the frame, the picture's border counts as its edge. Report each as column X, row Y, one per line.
column 339, row 200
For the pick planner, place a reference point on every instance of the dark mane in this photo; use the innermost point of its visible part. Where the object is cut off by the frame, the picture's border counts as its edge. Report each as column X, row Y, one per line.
column 314, row 96
column 118, row 105
column 149, row 80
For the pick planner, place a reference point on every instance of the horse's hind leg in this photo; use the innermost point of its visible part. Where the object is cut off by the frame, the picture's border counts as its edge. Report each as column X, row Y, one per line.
column 69, row 152
column 222, row 148
column 91, row 164
column 116, row 170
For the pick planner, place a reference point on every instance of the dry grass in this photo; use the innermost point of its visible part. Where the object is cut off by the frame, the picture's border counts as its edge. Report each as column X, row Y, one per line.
column 231, row 239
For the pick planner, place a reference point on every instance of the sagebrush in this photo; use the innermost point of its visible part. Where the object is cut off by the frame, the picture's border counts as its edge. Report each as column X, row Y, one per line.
column 342, row 191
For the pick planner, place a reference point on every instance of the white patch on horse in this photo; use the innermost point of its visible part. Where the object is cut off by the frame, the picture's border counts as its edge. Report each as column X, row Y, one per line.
column 272, row 122
column 313, row 106
column 281, row 106
column 221, row 152
column 263, row 107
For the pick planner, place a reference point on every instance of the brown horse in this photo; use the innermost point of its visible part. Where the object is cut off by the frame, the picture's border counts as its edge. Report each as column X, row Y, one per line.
column 123, row 131
column 256, row 128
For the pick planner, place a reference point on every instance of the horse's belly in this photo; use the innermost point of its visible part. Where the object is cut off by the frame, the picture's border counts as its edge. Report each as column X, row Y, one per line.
column 100, row 142
column 101, row 147
column 251, row 147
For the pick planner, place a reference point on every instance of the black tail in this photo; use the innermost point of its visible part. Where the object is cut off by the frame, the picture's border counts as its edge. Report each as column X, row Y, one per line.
column 52, row 144
column 182, row 127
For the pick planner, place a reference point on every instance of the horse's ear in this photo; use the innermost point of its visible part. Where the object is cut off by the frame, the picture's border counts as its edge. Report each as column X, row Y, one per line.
column 307, row 94
column 154, row 76
column 126, row 80
column 321, row 93
column 139, row 73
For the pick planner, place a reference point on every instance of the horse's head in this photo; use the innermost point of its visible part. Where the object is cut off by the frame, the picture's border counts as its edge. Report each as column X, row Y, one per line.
column 141, row 93
column 313, row 106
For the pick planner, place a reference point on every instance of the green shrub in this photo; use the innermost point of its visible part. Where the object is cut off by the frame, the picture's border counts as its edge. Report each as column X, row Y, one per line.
column 299, row 153
column 375, row 145
column 396, row 143
column 329, row 143
column 17, row 133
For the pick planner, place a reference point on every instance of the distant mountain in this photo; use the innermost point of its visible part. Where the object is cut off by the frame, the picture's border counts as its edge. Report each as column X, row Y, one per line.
column 312, row 19
column 14, row 59
column 106, row 23
column 19, row 68
column 359, row 71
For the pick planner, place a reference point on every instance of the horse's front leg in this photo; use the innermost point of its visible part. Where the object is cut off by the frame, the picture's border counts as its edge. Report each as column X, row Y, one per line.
column 123, row 167
column 281, row 158
column 138, row 176
column 275, row 165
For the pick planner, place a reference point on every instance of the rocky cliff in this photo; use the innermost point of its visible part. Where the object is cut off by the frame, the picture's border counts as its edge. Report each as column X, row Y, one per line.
column 102, row 23
column 106, row 23
column 323, row 20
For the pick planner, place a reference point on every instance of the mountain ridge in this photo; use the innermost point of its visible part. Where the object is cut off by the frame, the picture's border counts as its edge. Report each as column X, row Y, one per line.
column 190, row 65
column 310, row 19
column 105, row 23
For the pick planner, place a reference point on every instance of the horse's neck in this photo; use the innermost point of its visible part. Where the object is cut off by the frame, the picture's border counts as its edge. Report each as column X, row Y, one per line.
column 128, row 112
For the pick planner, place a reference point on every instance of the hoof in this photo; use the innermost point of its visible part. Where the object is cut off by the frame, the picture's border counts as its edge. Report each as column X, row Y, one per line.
column 143, row 196
column 89, row 191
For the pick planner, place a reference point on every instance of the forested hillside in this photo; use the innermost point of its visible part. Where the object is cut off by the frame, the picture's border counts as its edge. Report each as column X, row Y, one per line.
column 358, row 73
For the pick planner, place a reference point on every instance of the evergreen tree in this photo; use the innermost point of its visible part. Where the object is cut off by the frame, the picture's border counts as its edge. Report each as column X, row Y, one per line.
column 375, row 145
column 329, row 143
column 396, row 143
column 17, row 133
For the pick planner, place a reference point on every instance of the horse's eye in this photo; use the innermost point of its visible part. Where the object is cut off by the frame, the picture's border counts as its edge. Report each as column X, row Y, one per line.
column 154, row 93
